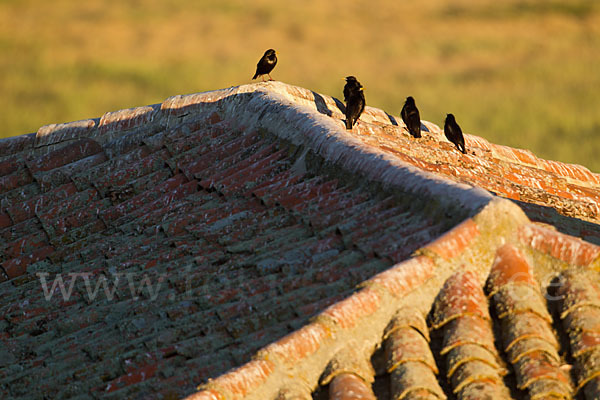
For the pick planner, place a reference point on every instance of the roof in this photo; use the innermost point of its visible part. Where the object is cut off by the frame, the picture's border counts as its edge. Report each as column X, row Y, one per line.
column 245, row 230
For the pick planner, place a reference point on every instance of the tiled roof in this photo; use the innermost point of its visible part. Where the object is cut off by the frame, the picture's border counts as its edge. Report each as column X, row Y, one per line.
column 247, row 228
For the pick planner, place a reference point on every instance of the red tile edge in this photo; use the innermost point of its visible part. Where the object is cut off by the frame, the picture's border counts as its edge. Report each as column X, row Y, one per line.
column 347, row 312
column 240, row 381
column 402, row 278
column 204, row 395
column 569, row 249
column 298, row 344
column 453, row 242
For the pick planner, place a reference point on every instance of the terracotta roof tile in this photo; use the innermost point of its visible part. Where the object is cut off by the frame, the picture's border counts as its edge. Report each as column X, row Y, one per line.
column 349, row 386
column 566, row 248
column 454, row 242
column 238, row 215
column 414, row 380
column 460, row 296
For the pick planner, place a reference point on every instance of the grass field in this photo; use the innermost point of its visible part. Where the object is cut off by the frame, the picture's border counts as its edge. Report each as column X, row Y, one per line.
column 525, row 73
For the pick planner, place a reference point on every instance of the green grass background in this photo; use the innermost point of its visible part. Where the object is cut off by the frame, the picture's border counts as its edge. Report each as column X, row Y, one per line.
column 525, row 73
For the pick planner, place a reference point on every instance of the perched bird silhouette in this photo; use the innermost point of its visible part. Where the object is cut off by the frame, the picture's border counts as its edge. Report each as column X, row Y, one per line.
column 410, row 116
column 454, row 133
column 355, row 100
column 266, row 64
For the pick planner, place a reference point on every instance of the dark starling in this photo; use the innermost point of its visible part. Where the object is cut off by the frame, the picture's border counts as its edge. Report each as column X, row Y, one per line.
column 410, row 116
column 355, row 101
column 351, row 84
column 266, row 64
column 454, row 133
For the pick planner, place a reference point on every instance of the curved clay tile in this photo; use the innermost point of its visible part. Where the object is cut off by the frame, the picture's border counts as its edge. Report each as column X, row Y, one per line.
column 579, row 288
column 592, row 389
column 469, row 352
column 518, row 298
column 542, row 375
column 415, row 380
column 468, row 330
column 581, row 319
column 524, row 326
column 409, row 359
column 410, row 318
column 406, row 344
column 530, row 345
column 468, row 340
column 461, row 295
column 585, row 318
column 350, row 387
column 588, row 368
column 484, row 390
column 510, row 267
column 474, row 371
column 583, row 327
column 549, row 389
column 527, row 335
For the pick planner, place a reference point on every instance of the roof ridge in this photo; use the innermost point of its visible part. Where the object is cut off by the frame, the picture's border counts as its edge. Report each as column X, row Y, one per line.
column 307, row 351
column 113, row 123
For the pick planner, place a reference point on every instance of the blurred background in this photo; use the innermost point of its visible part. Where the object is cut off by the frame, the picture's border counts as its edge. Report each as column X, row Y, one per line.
column 525, row 73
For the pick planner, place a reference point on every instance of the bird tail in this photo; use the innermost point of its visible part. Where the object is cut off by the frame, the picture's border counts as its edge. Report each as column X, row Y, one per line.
column 255, row 76
column 348, row 123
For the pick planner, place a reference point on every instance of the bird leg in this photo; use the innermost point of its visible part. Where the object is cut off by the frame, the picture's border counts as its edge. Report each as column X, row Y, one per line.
column 270, row 77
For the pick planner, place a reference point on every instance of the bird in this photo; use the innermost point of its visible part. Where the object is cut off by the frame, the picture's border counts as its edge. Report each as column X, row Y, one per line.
column 266, row 64
column 410, row 116
column 355, row 100
column 454, row 133
column 351, row 84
